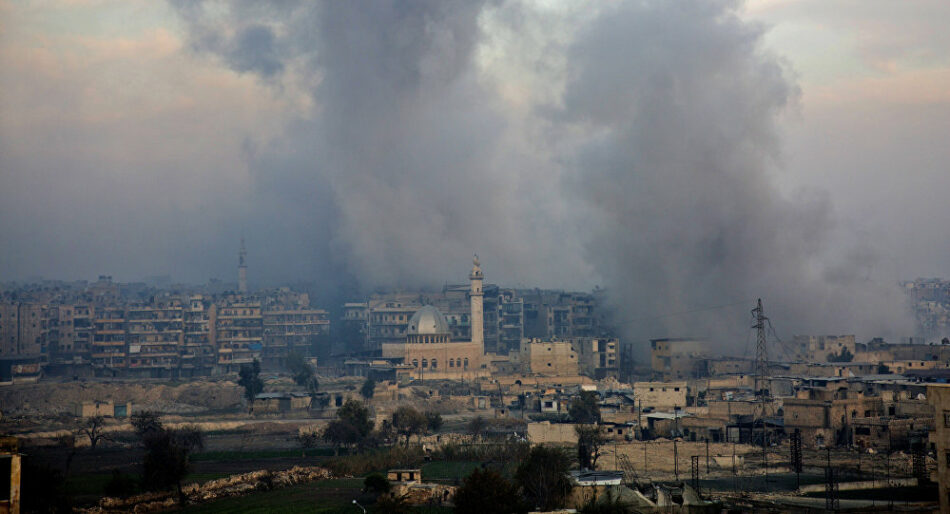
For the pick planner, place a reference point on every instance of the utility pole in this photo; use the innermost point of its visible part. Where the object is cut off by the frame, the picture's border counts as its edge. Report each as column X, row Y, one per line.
column 676, row 469
column 707, row 456
column 762, row 394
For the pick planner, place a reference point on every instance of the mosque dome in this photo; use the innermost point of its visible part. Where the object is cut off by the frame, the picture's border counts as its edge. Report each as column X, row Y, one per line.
column 428, row 321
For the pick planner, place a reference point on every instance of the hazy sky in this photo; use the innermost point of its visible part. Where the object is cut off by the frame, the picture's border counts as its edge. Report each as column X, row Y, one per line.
column 678, row 153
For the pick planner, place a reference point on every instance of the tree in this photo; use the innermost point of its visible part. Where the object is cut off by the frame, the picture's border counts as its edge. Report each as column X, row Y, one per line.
column 585, row 408
column 844, row 355
column 485, row 490
column 146, row 421
column 433, row 421
column 607, row 504
column 393, row 505
column 543, row 478
column 351, row 427
column 376, row 483
column 302, row 372
column 369, row 387
column 590, row 439
column 476, row 427
column 409, row 422
column 250, row 380
column 93, row 429
column 167, row 457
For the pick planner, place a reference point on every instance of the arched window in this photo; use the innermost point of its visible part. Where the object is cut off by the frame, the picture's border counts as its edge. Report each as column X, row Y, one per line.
column 435, row 363
column 425, row 363
column 451, row 363
column 466, row 363
column 415, row 363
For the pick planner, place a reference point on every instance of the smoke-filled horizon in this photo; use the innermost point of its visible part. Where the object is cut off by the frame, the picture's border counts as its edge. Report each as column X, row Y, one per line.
column 636, row 146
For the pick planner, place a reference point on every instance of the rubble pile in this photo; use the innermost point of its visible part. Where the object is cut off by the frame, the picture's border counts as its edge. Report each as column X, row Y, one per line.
column 235, row 485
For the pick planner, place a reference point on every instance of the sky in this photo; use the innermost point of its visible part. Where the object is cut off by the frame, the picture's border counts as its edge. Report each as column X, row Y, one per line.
column 679, row 154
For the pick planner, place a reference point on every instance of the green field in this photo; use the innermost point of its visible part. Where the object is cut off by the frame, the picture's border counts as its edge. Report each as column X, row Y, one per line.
column 260, row 454
column 325, row 497
column 448, row 471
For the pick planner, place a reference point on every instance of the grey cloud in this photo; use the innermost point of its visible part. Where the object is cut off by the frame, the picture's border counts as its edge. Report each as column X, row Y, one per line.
column 638, row 151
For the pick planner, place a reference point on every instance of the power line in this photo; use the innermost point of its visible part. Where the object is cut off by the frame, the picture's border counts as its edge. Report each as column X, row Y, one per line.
column 672, row 314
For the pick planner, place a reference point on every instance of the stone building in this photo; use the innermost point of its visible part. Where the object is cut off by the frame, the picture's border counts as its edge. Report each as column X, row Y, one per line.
column 826, row 348
column 660, row 395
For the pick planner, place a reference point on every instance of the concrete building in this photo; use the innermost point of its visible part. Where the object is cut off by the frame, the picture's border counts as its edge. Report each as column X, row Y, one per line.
column 109, row 349
column 242, row 269
column 388, row 321
column 939, row 397
column 292, row 331
column 678, row 359
column 548, row 358
column 826, row 348
column 198, row 355
column 239, row 334
column 70, row 333
column 660, row 395
column 597, row 357
column 155, row 333
column 9, row 453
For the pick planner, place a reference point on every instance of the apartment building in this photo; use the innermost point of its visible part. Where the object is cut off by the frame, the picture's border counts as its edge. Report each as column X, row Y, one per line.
column 597, row 357
column 198, row 355
column 109, row 349
column 292, row 331
column 239, row 334
column 155, row 334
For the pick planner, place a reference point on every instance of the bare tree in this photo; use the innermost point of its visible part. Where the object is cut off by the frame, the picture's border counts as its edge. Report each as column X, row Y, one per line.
column 93, row 428
column 476, row 427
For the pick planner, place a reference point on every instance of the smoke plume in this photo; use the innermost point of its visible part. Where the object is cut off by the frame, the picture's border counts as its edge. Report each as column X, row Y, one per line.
column 630, row 144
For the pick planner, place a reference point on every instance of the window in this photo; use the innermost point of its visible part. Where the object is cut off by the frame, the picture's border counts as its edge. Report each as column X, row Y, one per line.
column 466, row 363
column 435, row 363
column 948, row 459
column 451, row 363
column 415, row 363
column 425, row 363
column 946, row 418
column 677, row 389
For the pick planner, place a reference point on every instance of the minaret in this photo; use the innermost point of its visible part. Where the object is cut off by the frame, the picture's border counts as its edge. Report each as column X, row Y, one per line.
column 242, row 268
column 478, row 330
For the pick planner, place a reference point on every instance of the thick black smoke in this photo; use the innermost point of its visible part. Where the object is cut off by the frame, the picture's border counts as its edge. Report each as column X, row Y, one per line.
column 633, row 143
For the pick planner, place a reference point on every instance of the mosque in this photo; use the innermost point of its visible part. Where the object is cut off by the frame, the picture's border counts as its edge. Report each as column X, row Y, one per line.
column 429, row 349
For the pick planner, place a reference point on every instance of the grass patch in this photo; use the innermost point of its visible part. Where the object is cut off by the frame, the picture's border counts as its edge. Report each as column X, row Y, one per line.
column 261, row 454
column 448, row 470
column 87, row 484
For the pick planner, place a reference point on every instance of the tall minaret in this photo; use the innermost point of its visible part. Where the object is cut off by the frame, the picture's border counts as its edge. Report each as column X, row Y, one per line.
column 242, row 268
column 478, row 330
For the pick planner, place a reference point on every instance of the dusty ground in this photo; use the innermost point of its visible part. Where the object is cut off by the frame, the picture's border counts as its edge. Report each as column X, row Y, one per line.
column 46, row 399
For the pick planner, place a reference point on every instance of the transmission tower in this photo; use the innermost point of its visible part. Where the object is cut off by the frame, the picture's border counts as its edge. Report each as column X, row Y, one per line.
column 761, row 354
column 762, row 394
